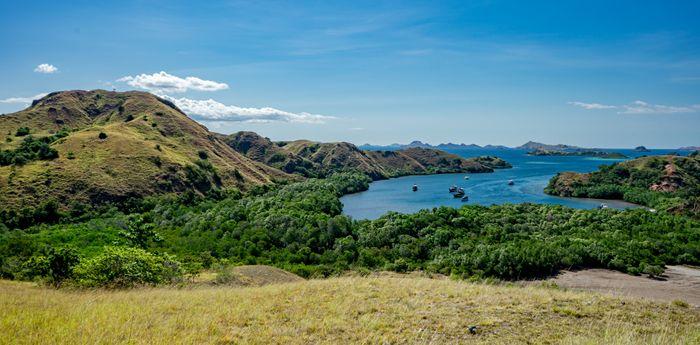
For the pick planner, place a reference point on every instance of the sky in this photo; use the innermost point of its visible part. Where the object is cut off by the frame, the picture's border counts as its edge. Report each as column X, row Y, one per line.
column 588, row 73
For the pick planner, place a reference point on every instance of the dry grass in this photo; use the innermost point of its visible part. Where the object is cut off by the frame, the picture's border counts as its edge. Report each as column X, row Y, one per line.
column 340, row 310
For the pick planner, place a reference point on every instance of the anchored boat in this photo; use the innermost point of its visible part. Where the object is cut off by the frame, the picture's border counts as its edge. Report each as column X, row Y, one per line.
column 415, row 187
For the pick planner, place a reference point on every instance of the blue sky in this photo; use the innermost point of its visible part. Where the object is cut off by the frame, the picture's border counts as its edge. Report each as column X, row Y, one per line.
column 590, row 73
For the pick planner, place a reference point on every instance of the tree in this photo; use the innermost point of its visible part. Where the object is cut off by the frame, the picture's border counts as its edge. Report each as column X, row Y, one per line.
column 102, row 136
column 139, row 233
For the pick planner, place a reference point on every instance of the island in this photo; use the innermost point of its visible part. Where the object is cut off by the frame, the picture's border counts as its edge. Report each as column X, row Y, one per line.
column 641, row 149
column 587, row 153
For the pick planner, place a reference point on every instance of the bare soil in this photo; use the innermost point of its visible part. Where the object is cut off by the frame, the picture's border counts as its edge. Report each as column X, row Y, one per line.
column 677, row 283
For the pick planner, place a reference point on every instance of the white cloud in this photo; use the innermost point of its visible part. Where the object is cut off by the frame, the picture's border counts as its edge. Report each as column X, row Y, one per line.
column 46, row 68
column 211, row 110
column 24, row 100
column 640, row 107
column 591, row 106
column 168, row 83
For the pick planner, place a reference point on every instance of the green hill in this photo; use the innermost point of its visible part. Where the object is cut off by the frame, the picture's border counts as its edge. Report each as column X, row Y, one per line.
column 98, row 146
column 313, row 159
column 665, row 182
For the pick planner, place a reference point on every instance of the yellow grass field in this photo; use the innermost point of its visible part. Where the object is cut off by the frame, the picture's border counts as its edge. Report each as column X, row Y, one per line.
column 367, row 310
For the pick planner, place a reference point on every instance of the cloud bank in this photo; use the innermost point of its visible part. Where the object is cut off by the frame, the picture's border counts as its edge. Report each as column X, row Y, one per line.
column 46, row 68
column 22, row 100
column 167, row 83
column 211, row 110
column 640, row 107
column 591, row 106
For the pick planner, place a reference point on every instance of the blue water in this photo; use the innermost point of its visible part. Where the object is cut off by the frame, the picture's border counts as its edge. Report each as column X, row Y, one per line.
column 530, row 174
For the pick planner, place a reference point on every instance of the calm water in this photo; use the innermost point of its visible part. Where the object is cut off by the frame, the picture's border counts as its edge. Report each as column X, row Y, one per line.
column 529, row 173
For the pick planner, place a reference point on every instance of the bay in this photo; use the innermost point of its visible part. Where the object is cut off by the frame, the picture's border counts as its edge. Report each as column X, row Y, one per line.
column 530, row 175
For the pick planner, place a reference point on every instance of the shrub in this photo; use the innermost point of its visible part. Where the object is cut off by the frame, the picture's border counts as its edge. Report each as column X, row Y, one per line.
column 55, row 265
column 124, row 267
column 102, row 136
column 203, row 154
column 129, row 118
column 22, row 131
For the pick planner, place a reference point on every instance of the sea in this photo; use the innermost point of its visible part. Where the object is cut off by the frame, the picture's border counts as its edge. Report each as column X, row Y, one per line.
column 530, row 175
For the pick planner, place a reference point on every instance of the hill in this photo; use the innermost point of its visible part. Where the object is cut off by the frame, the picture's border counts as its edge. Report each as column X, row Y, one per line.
column 669, row 182
column 313, row 159
column 387, row 309
column 587, row 153
column 535, row 146
column 92, row 147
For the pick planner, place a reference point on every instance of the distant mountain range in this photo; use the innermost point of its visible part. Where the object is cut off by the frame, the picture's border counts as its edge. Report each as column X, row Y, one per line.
column 444, row 146
column 528, row 146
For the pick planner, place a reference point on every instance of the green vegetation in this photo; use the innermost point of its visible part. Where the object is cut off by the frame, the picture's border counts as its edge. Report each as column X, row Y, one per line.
column 669, row 183
column 31, row 149
column 123, row 267
column 299, row 227
column 22, row 131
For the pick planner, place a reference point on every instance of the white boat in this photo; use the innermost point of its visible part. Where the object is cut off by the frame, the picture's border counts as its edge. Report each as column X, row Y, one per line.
column 466, row 177
column 511, row 182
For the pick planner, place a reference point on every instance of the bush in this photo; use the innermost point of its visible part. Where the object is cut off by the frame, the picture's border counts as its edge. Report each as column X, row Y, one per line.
column 102, row 136
column 55, row 265
column 124, row 267
column 22, row 131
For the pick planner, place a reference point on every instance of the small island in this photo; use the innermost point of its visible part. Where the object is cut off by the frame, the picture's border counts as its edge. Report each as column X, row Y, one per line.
column 641, row 149
column 587, row 153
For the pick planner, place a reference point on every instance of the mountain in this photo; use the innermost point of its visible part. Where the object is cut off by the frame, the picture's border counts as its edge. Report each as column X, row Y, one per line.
column 313, row 159
column 535, row 146
column 444, row 146
column 99, row 146
column 641, row 149
column 689, row 148
column 670, row 182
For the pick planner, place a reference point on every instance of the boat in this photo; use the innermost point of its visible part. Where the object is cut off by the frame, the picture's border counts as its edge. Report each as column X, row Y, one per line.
column 603, row 206
column 453, row 189
column 466, row 177
column 511, row 182
column 415, row 187
column 465, row 198
column 459, row 193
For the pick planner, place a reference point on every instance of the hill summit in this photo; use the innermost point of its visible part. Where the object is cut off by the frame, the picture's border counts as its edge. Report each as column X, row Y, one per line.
column 99, row 146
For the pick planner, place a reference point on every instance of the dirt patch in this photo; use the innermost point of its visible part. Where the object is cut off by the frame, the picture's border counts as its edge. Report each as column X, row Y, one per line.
column 679, row 283
column 257, row 275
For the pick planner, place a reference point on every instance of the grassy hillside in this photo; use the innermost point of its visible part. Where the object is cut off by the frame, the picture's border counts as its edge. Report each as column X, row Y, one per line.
column 388, row 309
column 312, row 159
column 665, row 182
column 148, row 146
